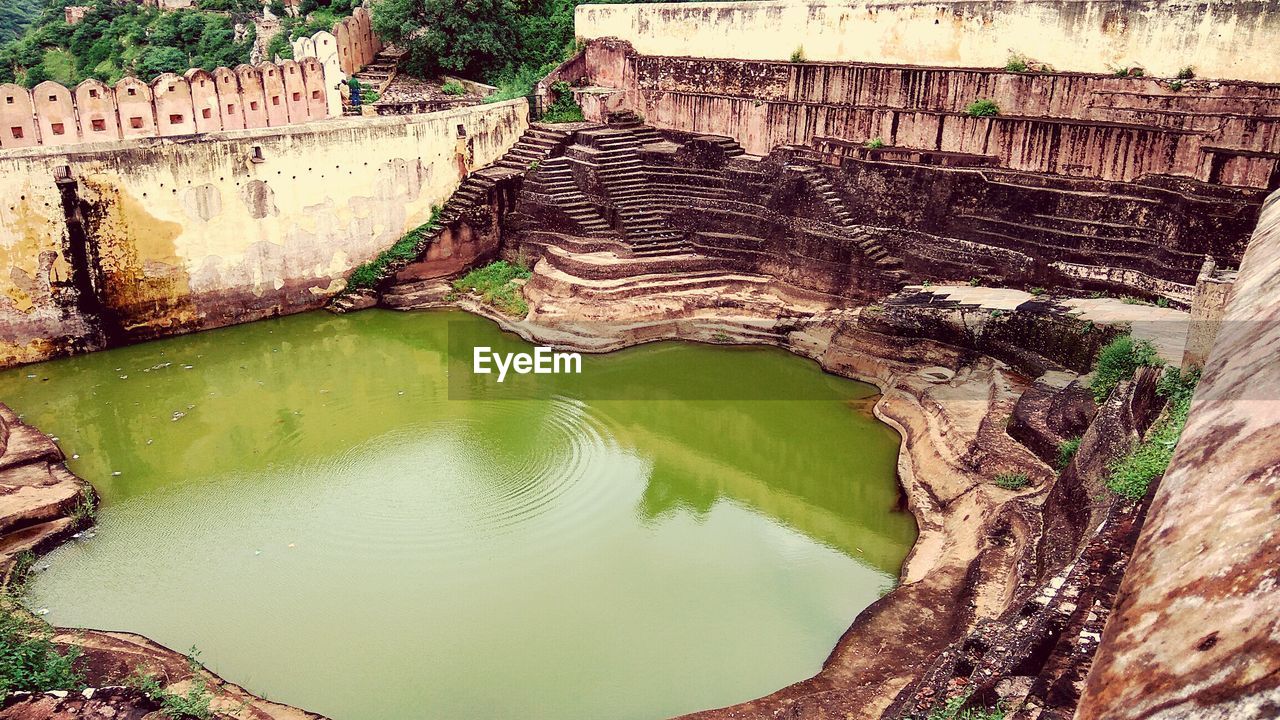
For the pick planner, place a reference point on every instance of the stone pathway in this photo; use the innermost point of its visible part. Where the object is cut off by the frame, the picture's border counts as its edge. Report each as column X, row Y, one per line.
column 1166, row 328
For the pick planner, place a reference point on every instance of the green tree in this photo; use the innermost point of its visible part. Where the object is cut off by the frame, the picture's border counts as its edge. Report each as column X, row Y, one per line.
column 475, row 38
column 158, row 60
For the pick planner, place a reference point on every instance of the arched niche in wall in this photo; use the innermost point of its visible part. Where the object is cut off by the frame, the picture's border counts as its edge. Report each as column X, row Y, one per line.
column 174, row 109
column 295, row 91
column 96, row 110
column 55, row 114
column 255, row 101
column 273, row 88
column 230, row 101
column 317, row 94
column 137, row 111
column 204, row 100
column 17, row 117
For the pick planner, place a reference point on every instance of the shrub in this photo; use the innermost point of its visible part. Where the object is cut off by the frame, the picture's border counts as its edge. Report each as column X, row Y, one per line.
column 1132, row 474
column 797, row 55
column 1038, row 291
column 875, row 143
column 564, row 109
column 1067, row 451
column 1186, row 73
column 496, row 286
column 1016, row 63
column 975, row 281
column 1012, row 481
column 405, row 249
column 195, row 705
column 982, row 108
column 453, row 87
column 1176, row 86
column 954, row 709
column 29, row 660
column 1118, row 361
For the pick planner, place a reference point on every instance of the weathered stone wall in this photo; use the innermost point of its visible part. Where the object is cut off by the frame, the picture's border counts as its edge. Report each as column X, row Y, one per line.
column 1196, row 630
column 154, row 237
column 1092, row 126
column 1220, row 39
column 197, row 102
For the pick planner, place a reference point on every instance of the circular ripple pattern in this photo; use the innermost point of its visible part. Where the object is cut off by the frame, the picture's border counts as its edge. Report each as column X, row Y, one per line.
column 454, row 485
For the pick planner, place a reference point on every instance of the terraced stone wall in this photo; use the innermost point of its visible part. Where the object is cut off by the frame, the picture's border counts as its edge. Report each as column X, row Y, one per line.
column 1071, row 124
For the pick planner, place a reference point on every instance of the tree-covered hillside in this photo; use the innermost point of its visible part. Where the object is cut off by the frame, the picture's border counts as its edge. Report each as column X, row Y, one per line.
column 118, row 39
column 15, row 16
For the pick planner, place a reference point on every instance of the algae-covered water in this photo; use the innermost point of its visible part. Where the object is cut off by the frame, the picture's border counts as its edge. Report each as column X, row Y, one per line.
column 303, row 501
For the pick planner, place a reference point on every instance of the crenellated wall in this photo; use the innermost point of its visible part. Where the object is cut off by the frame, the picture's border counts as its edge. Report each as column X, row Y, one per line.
column 150, row 237
column 266, row 95
column 1078, row 125
column 346, row 50
column 1219, row 39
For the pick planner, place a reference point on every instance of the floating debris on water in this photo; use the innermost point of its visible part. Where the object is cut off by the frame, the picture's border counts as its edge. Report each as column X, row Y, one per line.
column 42, row 611
column 115, row 474
column 178, row 414
column 124, row 377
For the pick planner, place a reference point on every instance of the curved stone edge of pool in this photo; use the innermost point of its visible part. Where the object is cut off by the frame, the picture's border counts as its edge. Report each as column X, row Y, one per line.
column 954, row 442
column 42, row 505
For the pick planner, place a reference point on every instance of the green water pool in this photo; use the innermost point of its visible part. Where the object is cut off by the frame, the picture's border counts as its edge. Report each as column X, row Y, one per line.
column 311, row 503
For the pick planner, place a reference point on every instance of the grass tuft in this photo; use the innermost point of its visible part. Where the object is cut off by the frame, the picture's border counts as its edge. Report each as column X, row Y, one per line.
column 1012, row 481
column 982, row 108
column 1132, row 474
column 1118, row 361
column 496, row 286
column 1067, row 451
column 406, row 249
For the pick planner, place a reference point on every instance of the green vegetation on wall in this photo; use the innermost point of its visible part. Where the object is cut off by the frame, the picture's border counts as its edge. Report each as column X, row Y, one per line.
column 367, row 275
column 1131, row 475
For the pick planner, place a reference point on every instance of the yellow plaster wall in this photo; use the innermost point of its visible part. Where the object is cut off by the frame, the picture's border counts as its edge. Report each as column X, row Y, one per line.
column 196, row 235
column 1235, row 40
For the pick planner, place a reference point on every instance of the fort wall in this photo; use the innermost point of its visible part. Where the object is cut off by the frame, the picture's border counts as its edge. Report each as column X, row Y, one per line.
column 1072, row 124
column 197, row 102
column 113, row 243
column 1220, row 39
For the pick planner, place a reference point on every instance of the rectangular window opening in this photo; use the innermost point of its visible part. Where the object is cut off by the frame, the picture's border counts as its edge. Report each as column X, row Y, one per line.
column 275, row 99
column 17, row 133
column 133, row 91
column 253, row 105
column 175, row 119
column 315, row 94
column 93, row 93
column 58, row 129
column 297, row 96
column 206, row 113
column 135, row 123
column 99, row 125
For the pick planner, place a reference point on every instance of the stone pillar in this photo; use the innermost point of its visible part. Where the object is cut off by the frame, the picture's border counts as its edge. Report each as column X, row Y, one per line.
column 1213, row 292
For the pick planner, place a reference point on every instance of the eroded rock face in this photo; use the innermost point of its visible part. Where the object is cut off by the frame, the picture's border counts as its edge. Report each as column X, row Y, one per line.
column 1196, row 633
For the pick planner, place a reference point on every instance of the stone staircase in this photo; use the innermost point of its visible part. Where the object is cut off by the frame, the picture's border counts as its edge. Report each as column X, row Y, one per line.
column 623, row 176
column 555, row 179
column 632, row 123
column 537, row 144
column 378, row 73
column 873, row 250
